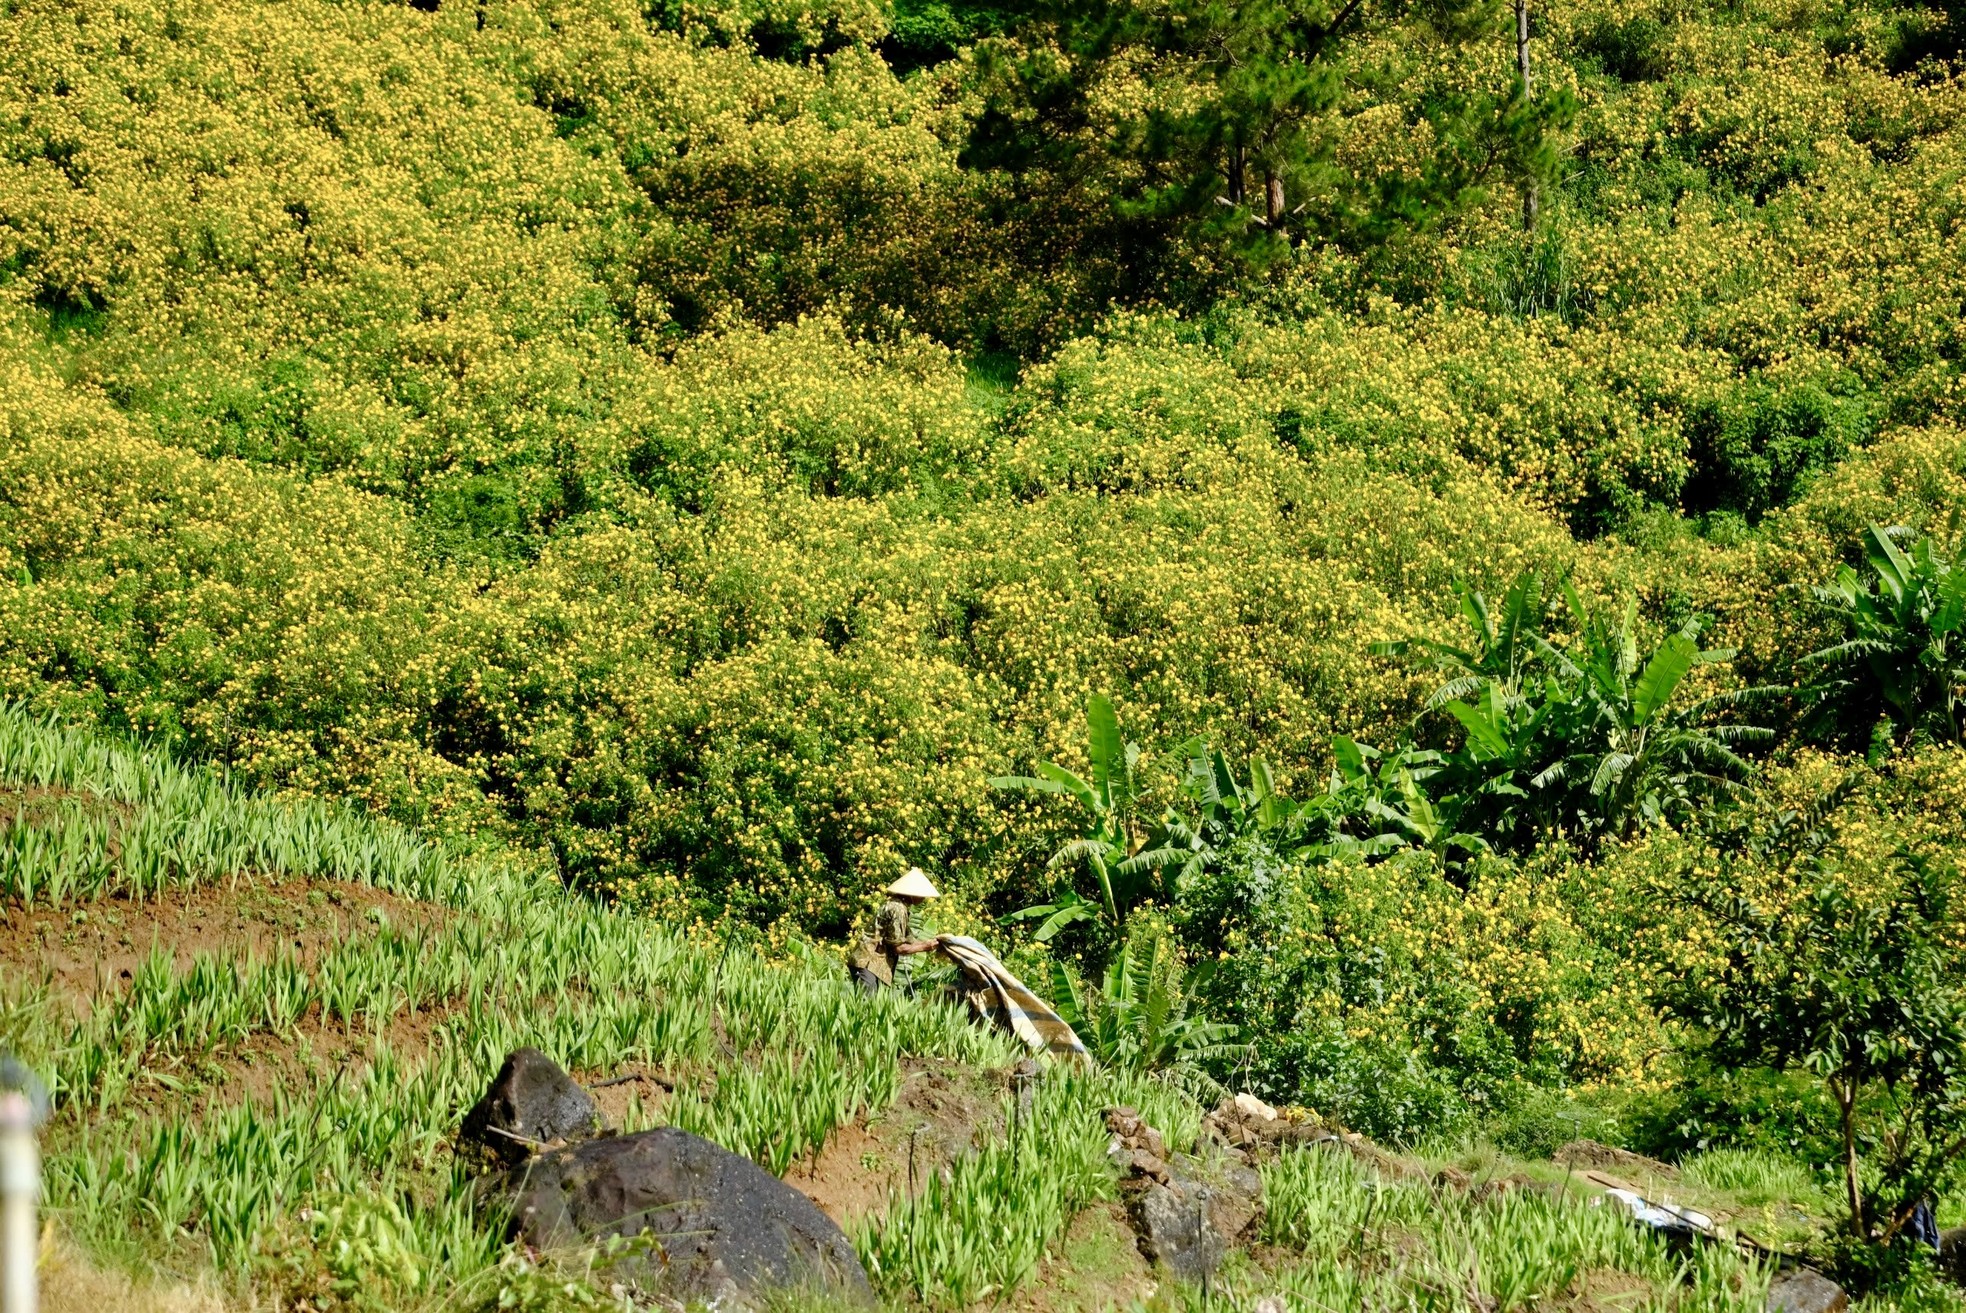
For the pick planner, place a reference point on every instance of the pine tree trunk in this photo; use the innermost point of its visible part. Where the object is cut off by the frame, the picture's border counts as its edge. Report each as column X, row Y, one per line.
column 1522, row 70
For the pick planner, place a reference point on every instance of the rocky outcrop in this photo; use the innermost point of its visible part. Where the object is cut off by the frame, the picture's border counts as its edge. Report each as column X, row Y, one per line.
column 703, row 1223
column 1187, row 1210
column 1250, row 1126
column 532, row 1105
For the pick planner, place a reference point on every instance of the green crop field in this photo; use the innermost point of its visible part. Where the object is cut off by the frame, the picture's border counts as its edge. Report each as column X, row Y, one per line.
column 338, row 1185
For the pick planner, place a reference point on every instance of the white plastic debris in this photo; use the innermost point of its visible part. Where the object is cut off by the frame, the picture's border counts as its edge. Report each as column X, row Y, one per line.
column 1670, row 1217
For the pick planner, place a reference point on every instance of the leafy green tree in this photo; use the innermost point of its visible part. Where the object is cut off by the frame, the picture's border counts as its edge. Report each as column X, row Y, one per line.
column 1372, row 805
column 1864, row 991
column 1903, row 654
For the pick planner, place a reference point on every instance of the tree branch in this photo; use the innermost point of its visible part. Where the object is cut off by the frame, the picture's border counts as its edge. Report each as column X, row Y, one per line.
column 1330, row 30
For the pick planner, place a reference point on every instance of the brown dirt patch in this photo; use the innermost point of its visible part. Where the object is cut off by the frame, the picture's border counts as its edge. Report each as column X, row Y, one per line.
column 85, row 954
column 1589, row 1155
column 85, row 951
column 200, row 1085
column 943, row 1110
column 35, row 804
column 853, row 1177
column 946, row 1108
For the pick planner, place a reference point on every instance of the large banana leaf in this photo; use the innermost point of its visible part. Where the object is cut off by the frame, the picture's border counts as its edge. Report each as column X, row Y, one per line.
column 1894, row 571
column 1483, row 726
column 1661, row 678
column 1112, row 773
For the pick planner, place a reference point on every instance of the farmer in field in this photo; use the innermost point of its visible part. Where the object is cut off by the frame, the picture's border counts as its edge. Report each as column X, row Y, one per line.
column 873, row 960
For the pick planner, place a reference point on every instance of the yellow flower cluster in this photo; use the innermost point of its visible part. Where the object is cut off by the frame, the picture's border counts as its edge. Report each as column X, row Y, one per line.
column 531, row 420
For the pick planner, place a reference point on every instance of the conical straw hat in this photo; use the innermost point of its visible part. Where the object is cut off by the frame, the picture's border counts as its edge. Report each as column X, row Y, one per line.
column 913, row 885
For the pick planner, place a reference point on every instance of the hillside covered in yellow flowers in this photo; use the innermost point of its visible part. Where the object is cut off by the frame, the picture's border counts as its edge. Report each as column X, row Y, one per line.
column 702, row 446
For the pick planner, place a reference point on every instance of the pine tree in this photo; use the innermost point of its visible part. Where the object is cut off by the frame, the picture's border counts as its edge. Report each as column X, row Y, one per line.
column 1227, row 137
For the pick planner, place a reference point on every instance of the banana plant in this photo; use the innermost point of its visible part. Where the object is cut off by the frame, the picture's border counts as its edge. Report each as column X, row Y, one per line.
column 1378, row 803
column 1107, row 849
column 1642, row 755
column 1138, row 1017
column 1905, row 645
column 1227, row 813
column 1504, row 646
column 1589, row 737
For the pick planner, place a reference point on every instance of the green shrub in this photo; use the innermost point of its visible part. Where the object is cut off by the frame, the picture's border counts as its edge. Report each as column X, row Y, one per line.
column 1535, row 1123
column 1859, row 987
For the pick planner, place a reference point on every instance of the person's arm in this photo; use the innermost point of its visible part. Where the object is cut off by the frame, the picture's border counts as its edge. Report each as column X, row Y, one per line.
column 919, row 946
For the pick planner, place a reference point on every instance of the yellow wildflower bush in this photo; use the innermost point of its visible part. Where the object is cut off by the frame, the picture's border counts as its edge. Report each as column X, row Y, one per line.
column 282, row 625
column 578, row 424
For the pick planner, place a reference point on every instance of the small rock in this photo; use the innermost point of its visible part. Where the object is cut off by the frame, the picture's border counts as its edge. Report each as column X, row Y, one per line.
column 532, row 1104
column 1495, row 1188
column 1805, row 1290
column 1148, row 1164
column 1251, row 1106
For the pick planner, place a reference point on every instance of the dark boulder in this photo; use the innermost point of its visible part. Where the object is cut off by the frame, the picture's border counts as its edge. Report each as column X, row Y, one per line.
column 1175, row 1232
column 1952, row 1255
column 1190, row 1219
column 718, row 1227
column 532, row 1104
column 1805, row 1290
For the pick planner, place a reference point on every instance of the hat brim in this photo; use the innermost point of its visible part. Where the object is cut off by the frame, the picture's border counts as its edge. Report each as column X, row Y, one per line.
column 913, row 885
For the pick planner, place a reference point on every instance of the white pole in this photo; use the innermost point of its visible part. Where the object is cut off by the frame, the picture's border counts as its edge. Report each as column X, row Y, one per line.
column 20, row 1198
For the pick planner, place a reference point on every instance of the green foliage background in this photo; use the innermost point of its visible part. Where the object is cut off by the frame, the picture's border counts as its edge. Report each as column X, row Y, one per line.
column 640, row 434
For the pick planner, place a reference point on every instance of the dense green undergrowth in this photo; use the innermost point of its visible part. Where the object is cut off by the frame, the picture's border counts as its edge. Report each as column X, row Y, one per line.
column 735, row 607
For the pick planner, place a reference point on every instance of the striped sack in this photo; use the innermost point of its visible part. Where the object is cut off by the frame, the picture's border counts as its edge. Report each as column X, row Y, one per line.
column 1029, row 1017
